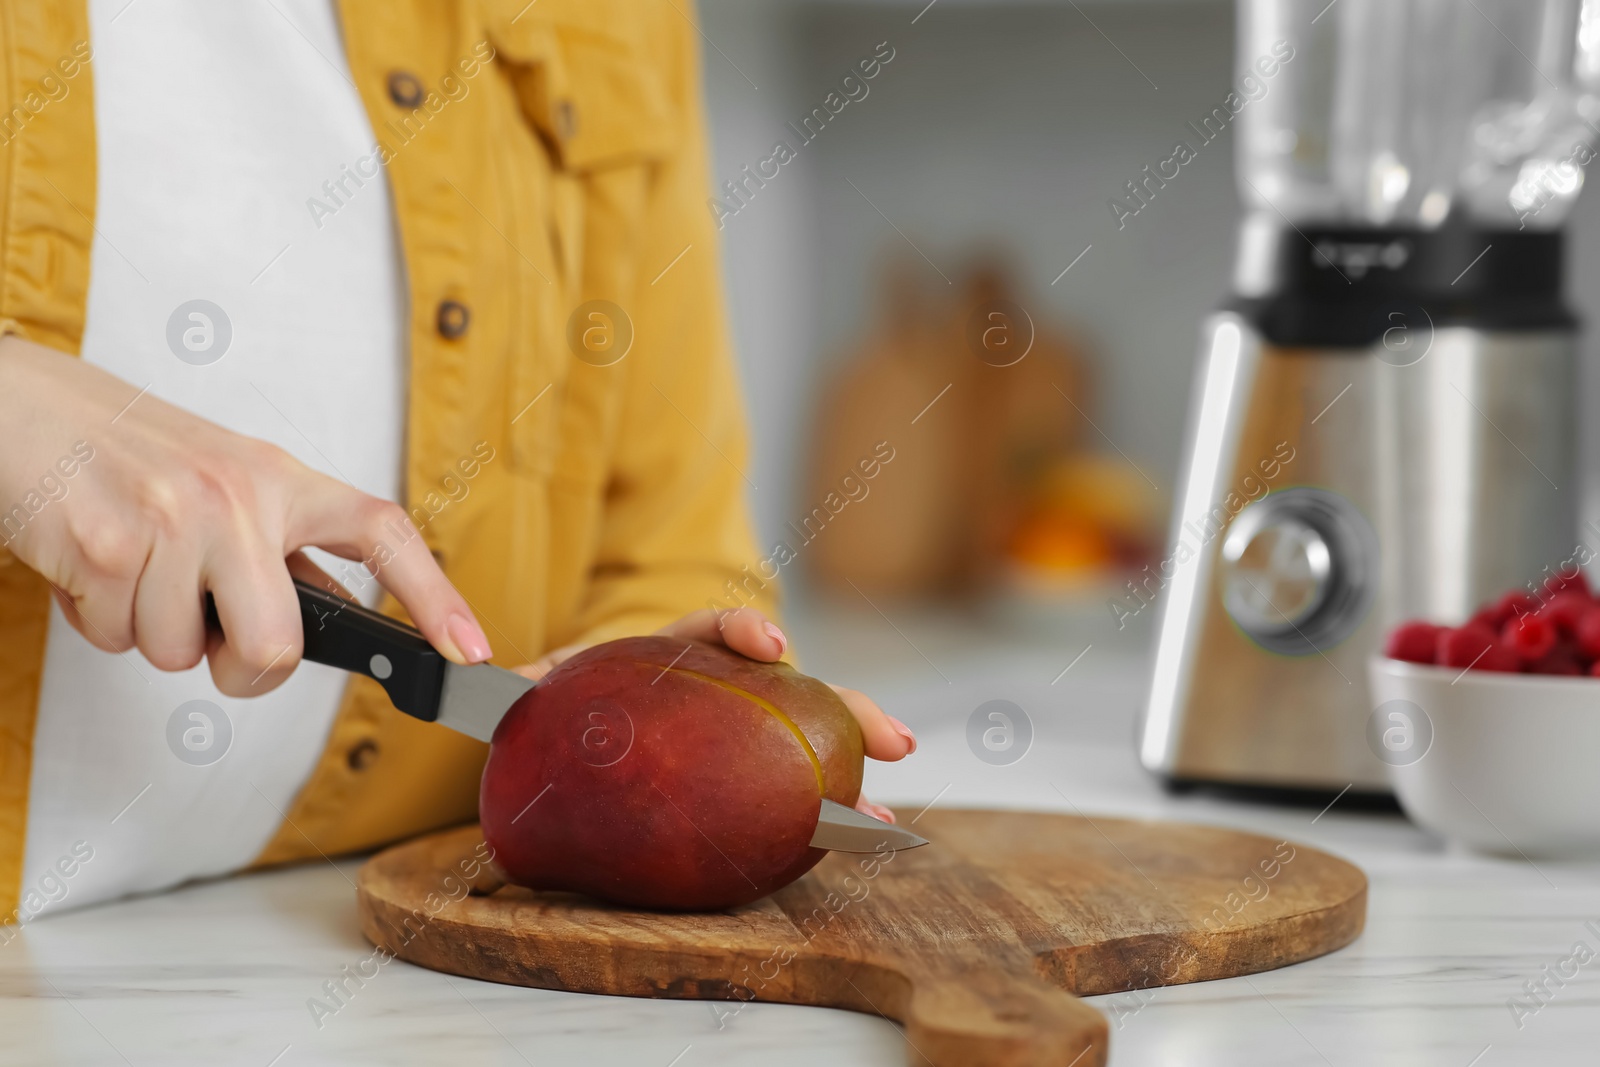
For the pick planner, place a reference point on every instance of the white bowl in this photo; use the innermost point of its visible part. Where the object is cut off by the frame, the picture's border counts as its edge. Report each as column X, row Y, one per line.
column 1502, row 763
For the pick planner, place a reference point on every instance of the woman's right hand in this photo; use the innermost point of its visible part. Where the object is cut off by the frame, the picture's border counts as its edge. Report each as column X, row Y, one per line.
column 168, row 507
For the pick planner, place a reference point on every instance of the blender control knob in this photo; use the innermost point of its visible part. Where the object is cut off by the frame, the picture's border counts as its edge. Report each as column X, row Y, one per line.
column 1298, row 570
column 1278, row 574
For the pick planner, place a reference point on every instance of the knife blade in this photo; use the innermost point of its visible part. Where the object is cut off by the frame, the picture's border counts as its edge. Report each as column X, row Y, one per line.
column 473, row 700
column 842, row 829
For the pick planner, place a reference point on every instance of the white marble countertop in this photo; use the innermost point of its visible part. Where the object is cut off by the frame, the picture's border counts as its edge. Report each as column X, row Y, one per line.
column 220, row 973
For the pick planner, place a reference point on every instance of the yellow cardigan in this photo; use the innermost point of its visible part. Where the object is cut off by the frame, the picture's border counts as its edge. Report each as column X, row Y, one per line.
column 543, row 157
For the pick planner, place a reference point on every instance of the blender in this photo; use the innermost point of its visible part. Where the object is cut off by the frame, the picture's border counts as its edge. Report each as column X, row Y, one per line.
column 1383, row 417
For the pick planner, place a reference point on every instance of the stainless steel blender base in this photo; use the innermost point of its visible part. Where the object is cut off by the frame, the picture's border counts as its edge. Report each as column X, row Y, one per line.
column 1330, row 493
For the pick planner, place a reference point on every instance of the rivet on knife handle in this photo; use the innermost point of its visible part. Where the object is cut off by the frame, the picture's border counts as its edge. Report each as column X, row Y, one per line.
column 341, row 633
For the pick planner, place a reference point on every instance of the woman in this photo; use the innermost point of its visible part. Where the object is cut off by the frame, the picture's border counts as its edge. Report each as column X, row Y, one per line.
column 265, row 268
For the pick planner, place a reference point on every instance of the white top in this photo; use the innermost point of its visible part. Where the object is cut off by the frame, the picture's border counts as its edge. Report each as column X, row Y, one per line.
column 216, row 124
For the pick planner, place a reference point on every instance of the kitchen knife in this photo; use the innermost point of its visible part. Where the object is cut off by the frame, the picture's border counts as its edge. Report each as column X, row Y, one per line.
column 472, row 700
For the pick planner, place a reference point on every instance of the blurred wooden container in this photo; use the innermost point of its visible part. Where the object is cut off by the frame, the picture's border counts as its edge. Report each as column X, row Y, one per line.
column 897, row 394
column 978, row 401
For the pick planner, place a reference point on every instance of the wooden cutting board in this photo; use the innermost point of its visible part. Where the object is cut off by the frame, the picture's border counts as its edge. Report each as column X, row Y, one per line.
column 975, row 943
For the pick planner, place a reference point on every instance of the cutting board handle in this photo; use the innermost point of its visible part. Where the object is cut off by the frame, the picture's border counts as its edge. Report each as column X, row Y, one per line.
column 984, row 1013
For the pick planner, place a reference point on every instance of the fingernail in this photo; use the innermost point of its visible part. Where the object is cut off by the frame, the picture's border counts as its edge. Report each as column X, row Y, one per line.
column 904, row 731
column 469, row 644
column 777, row 635
column 884, row 813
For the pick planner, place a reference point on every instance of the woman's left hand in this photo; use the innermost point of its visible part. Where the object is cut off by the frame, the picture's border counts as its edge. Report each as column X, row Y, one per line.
column 749, row 633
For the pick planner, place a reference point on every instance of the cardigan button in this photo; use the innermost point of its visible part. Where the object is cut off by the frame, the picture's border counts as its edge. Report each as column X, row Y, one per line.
column 362, row 755
column 566, row 120
column 452, row 319
column 405, row 89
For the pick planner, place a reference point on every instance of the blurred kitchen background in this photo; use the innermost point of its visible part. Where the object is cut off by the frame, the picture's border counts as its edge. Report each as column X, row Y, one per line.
column 978, row 168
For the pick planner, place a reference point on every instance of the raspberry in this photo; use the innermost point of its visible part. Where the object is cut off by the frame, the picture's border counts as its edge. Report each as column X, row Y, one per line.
column 1414, row 642
column 1499, row 658
column 1510, row 606
column 1464, row 646
column 1565, row 608
column 1531, row 637
column 1587, row 634
column 1560, row 660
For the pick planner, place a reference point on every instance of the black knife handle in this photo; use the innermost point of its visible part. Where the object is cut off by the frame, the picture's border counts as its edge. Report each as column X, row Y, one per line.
column 341, row 633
